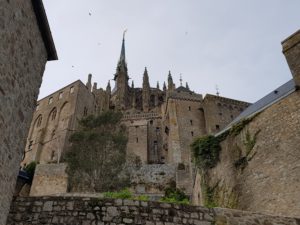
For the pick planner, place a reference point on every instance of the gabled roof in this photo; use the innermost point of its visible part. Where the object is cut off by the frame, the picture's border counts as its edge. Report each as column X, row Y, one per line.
column 265, row 102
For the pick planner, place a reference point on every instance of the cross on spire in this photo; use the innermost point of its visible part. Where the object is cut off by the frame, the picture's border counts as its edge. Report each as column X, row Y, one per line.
column 180, row 80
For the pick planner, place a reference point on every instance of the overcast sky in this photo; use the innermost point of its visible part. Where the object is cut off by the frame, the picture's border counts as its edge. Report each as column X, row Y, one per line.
column 235, row 44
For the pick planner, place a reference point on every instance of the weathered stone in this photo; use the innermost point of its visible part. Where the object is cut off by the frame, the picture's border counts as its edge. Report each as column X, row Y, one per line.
column 48, row 205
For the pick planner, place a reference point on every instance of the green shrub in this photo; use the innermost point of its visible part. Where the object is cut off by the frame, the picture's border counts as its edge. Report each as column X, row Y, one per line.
column 206, row 151
column 123, row 194
column 144, row 198
column 175, row 195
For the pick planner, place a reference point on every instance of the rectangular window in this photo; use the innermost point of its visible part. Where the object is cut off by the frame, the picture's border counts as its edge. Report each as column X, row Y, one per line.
column 191, row 122
column 217, row 127
column 71, row 89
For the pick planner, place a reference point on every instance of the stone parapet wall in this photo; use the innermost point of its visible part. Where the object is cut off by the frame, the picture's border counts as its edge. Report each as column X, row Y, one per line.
column 85, row 211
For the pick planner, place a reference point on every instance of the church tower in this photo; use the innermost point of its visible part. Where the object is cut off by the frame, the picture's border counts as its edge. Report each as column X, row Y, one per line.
column 121, row 78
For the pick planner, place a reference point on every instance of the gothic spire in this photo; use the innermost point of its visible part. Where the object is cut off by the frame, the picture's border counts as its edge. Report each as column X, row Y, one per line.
column 164, row 86
column 108, row 88
column 122, row 56
column 132, row 84
column 146, row 79
column 187, row 86
column 170, row 82
column 122, row 65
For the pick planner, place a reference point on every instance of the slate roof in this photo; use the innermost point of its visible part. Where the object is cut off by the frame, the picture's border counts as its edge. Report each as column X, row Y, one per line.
column 184, row 89
column 265, row 102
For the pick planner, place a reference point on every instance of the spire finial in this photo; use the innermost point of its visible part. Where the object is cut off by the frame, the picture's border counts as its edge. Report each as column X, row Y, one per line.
column 217, row 89
column 157, row 85
column 132, row 84
column 180, row 80
column 124, row 32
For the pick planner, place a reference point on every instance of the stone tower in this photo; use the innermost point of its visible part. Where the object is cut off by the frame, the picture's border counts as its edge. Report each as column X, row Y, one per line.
column 121, row 78
column 291, row 50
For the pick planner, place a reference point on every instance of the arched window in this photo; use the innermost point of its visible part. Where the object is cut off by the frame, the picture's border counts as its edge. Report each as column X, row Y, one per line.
column 53, row 114
column 39, row 121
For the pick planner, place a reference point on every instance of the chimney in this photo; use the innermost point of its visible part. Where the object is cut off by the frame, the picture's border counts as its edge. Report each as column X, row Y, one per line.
column 291, row 50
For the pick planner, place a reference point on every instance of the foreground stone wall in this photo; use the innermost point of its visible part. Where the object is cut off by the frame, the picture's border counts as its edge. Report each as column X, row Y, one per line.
column 267, row 180
column 85, row 211
column 23, row 56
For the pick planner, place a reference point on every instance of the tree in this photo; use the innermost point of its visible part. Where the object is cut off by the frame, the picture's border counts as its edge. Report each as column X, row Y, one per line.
column 97, row 156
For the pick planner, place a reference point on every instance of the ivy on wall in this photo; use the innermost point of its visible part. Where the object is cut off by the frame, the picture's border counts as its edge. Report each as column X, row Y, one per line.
column 206, row 150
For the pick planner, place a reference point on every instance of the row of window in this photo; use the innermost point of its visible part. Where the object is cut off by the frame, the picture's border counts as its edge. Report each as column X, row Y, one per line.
column 60, row 95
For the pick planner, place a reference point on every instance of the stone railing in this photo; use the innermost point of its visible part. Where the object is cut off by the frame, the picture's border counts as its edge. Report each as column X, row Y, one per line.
column 140, row 116
column 93, row 211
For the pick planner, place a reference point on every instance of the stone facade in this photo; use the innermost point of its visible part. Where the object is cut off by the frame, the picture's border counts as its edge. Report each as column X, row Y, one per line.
column 265, row 177
column 26, row 45
column 49, row 179
column 161, row 123
column 93, row 211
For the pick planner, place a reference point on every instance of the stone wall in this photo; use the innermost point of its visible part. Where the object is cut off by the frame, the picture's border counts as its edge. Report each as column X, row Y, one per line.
column 264, row 178
column 153, row 179
column 93, row 211
column 23, row 55
column 49, row 179
column 220, row 111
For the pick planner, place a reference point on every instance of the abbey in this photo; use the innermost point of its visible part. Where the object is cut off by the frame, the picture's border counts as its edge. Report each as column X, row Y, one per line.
column 161, row 123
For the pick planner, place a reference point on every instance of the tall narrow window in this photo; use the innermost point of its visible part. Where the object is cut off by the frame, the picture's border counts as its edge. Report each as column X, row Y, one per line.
column 191, row 122
column 85, row 111
column 217, row 127
column 71, row 89
column 190, row 108
column 53, row 114
column 60, row 95
column 192, row 133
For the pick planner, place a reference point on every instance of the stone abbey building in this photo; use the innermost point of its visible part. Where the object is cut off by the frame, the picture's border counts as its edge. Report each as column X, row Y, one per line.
column 161, row 123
